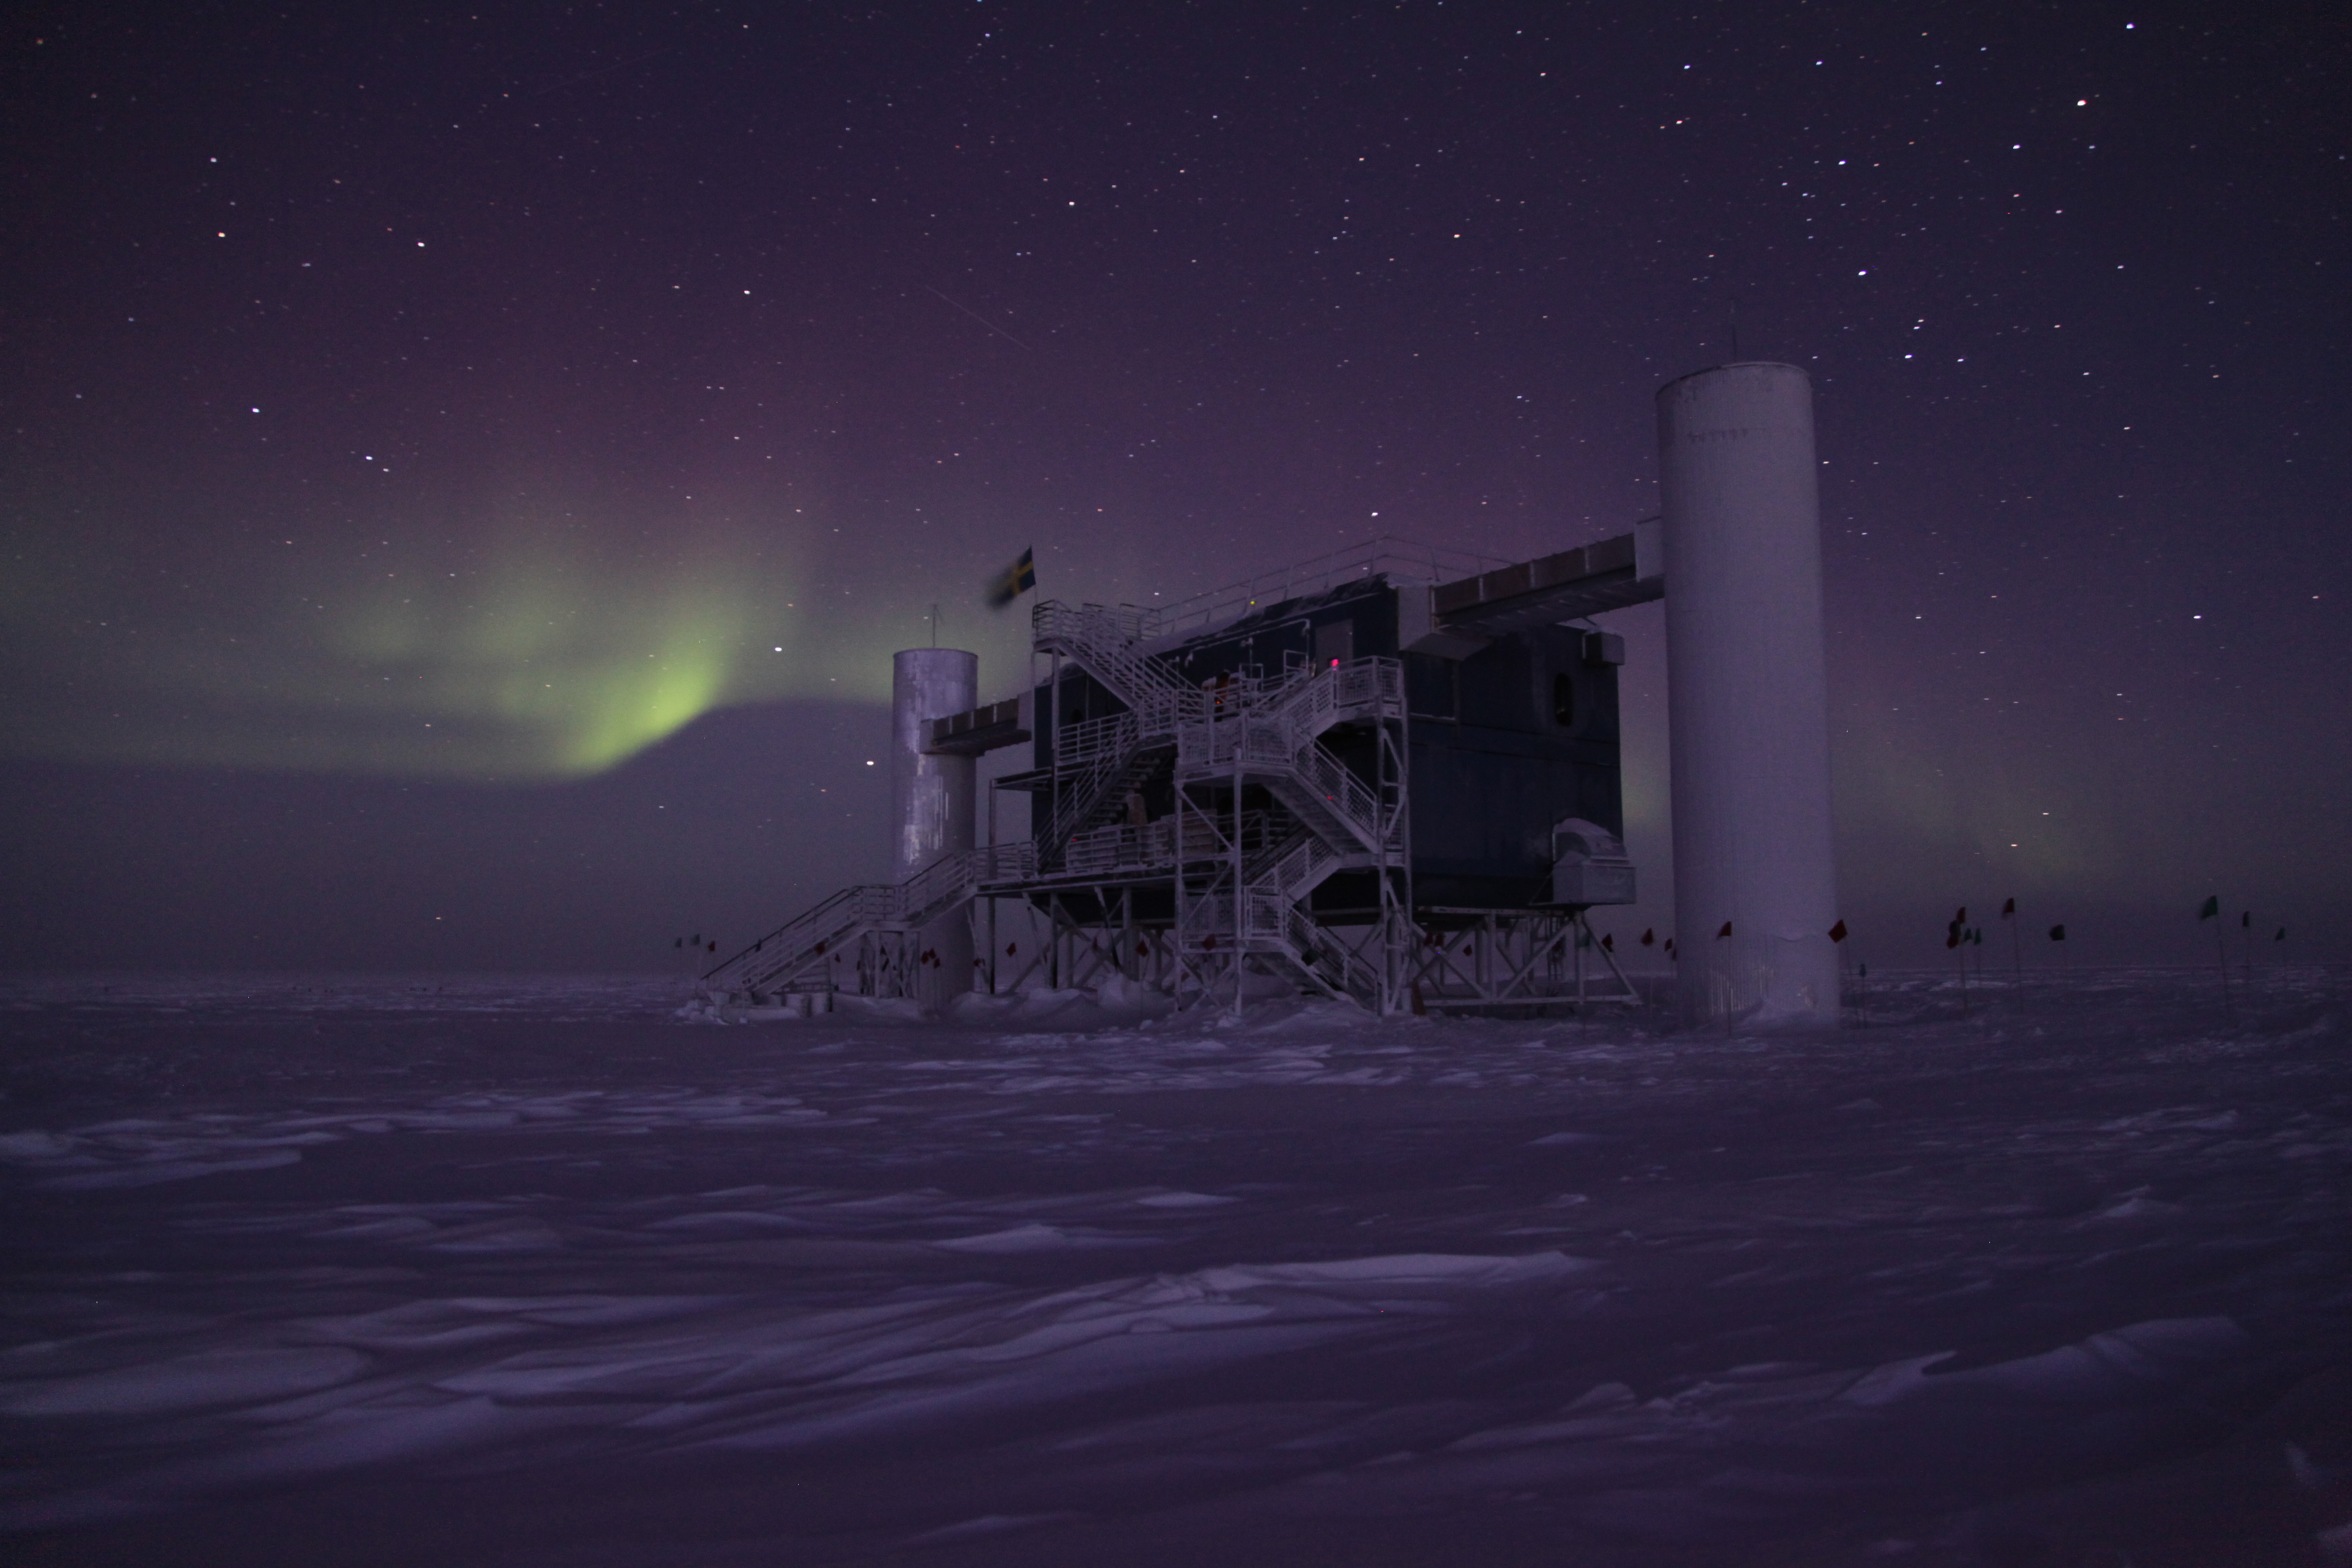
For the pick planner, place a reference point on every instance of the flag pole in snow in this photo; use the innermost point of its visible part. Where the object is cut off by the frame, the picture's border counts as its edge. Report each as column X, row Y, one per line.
column 2212, row 912
column 2016, row 947
column 1956, row 937
column 1837, row 937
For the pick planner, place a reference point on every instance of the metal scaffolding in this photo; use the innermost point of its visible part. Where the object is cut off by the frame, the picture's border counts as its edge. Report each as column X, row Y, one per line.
column 1217, row 896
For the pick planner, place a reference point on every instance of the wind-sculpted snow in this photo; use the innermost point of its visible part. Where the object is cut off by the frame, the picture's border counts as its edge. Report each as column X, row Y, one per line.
column 513, row 1272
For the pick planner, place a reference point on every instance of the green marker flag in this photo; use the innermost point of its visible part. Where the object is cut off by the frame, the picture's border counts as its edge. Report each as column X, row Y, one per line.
column 2212, row 907
column 1013, row 581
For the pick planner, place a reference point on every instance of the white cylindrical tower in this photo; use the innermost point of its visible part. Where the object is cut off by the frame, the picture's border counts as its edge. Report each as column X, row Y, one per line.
column 1748, row 698
column 932, row 810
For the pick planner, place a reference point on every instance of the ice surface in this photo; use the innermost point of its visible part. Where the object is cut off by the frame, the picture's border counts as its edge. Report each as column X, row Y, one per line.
column 521, row 1272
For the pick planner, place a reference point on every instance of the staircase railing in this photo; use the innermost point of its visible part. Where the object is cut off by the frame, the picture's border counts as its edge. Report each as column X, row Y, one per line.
column 1330, row 960
column 1103, row 640
column 950, row 880
column 1269, row 728
column 812, row 933
column 1281, row 738
column 1338, row 692
column 1103, row 750
column 921, row 899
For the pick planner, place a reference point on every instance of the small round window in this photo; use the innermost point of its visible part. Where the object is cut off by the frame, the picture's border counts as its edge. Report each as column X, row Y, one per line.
column 1563, row 700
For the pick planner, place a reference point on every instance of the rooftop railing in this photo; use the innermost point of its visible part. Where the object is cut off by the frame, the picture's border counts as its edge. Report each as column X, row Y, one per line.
column 1400, row 559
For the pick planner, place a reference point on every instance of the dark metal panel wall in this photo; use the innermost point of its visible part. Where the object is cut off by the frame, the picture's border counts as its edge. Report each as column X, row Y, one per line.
column 1504, row 743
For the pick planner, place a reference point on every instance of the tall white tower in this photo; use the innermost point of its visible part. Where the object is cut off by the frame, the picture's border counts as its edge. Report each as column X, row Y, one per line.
column 932, row 800
column 1748, row 706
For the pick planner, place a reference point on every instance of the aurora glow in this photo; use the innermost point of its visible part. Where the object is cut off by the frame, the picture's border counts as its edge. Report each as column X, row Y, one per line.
column 545, row 650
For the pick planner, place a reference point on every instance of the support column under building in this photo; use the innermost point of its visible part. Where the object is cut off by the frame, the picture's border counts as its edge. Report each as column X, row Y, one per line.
column 1748, row 706
column 934, row 807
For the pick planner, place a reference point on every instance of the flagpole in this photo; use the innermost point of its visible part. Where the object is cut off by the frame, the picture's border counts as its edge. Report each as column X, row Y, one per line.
column 1964, row 965
column 2016, row 946
column 2221, row 946
column 1957, row 939
column 2212, row 912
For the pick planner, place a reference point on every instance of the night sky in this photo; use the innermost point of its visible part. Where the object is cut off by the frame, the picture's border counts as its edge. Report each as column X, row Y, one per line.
column 464, row 475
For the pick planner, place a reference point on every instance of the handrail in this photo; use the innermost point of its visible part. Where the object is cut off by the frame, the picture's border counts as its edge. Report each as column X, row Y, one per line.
column 1354, row 978
column 805, row 934
column 919, row 899
column 1104, row 641
column 1106, row 763
column 1389, row 555
column 1280, row 735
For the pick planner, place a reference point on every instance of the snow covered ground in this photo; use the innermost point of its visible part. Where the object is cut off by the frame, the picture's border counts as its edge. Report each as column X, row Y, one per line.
column 536, row 1272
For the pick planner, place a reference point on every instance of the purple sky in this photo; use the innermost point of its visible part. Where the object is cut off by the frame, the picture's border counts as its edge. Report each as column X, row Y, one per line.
column 464, row 477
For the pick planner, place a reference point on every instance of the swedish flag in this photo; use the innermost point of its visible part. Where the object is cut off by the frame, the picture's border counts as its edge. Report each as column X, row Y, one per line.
column 1013, row 581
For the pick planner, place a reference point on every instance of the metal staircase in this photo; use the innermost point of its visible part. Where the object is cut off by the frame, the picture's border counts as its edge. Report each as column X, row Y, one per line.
column 1108, row 757
column 1113, row 755
column 784, row 959
column 1280, row 747
column 1275, row 920
column 1102, row 641
column 1270, row 734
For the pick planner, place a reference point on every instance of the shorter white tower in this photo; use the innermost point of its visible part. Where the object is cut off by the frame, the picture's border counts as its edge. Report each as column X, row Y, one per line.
column 932, row 801
column 1748, row 699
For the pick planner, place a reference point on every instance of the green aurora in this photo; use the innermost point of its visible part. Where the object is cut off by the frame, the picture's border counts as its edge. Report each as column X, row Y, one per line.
column 549, row 651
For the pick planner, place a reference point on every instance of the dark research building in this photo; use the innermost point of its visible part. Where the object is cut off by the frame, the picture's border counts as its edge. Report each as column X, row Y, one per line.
column 1390, row 775
column 1502, row 745
column 1367, row 778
